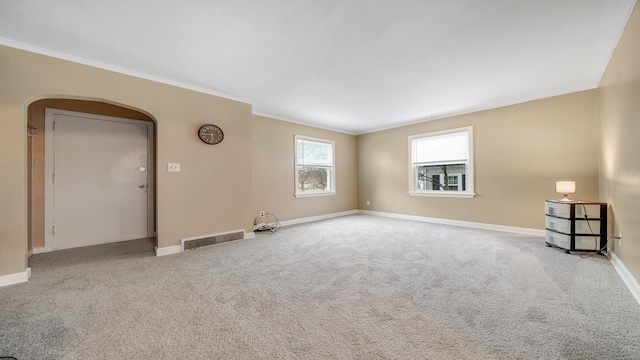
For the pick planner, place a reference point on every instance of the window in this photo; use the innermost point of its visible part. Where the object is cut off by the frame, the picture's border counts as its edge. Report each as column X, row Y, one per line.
column 438, row 183
column 315, row 171
column 441, row 163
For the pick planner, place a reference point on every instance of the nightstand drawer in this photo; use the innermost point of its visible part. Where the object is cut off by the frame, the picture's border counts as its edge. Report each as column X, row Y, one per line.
column 564, row 210
column 582, row 242
column 564, row 225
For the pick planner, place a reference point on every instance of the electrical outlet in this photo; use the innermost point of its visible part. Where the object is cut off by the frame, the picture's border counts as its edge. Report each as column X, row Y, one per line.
column 173, row 167
column 262, row 213
column 619, row 239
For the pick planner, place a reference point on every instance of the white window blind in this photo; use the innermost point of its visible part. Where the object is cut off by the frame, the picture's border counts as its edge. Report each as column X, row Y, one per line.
column 441, row 148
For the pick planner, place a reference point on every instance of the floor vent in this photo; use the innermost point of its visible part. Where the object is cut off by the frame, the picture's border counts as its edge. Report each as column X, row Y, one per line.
column 211, row 240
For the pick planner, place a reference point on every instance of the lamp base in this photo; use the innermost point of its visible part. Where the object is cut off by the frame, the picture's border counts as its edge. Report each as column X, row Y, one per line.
column 565, row 198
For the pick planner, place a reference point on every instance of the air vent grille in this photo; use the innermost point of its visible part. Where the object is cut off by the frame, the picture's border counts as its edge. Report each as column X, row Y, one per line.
column 211, row 240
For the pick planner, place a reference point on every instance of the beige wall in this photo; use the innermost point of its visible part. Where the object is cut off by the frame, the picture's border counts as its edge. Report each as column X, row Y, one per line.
column 520, row 151
column 273, row 171
column 13, row 185
column 211, row 194
column 36, row 114
column 619, row 120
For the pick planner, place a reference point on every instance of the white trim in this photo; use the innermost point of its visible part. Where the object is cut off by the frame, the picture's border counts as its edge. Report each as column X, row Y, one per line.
column 17, row 278
column 511, row 229
column 249, row 235
column 117, row 69
column 40, row 250
column 316, row 218
column 151, row 171
column 314, row 193
column 49, row 200
column 100, row 65
column 332, row 168
column 451, row 194
column 162, row 80
column 313, row 125
column 625, row 15
column 168, row 250
column 626, row 276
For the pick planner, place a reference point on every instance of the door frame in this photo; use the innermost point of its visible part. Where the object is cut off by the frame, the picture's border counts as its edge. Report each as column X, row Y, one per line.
column 49, row 190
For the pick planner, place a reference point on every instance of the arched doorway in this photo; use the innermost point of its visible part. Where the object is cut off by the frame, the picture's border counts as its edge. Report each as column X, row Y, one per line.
column 37, row 231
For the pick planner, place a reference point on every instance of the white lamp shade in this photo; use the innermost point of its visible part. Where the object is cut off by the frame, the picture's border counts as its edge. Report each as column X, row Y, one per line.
column 566, row 187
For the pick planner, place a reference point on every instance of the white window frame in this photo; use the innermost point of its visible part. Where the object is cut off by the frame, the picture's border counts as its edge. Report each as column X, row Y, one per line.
column 331, row 179
column 413, row 167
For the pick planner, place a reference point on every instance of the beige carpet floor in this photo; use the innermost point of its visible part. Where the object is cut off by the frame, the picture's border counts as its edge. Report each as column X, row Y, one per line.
column 356, row 287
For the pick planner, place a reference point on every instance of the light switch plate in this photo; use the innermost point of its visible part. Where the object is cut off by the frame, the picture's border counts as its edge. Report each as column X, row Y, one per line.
column 173, row 167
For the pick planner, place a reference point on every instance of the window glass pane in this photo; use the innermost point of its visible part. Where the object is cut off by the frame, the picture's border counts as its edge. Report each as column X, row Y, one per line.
column 314, row 171
column 454, row 146
column 314, row 153
column 448, row 177
column 313, row 178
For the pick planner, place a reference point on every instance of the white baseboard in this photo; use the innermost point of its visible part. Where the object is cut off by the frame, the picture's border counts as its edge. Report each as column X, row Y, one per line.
column 250, row 235
column 511, row 229
column 626, row 276
column 168, row 250
column 40, row 250
column 17, row 278
column 316, row 218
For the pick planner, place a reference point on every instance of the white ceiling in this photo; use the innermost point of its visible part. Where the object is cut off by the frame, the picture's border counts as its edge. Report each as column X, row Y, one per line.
column 349, row 65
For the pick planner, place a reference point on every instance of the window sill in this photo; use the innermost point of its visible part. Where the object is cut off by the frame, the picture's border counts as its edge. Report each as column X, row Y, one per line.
column 315, row 193
column 442, row 194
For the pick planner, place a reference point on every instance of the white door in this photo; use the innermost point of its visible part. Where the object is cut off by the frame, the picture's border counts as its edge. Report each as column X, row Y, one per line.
column 99, row 182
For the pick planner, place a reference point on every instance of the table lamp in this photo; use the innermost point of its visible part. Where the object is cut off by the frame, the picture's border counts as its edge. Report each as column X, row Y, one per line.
column 565, row 188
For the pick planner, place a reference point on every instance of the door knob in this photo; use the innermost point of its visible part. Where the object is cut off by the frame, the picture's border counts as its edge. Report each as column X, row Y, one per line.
column 141, row 186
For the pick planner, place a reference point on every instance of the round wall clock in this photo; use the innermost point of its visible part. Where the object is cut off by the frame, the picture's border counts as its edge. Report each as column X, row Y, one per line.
column 210, row 134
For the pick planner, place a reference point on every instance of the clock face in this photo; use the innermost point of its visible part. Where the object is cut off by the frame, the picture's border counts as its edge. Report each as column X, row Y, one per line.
column 210, row 134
